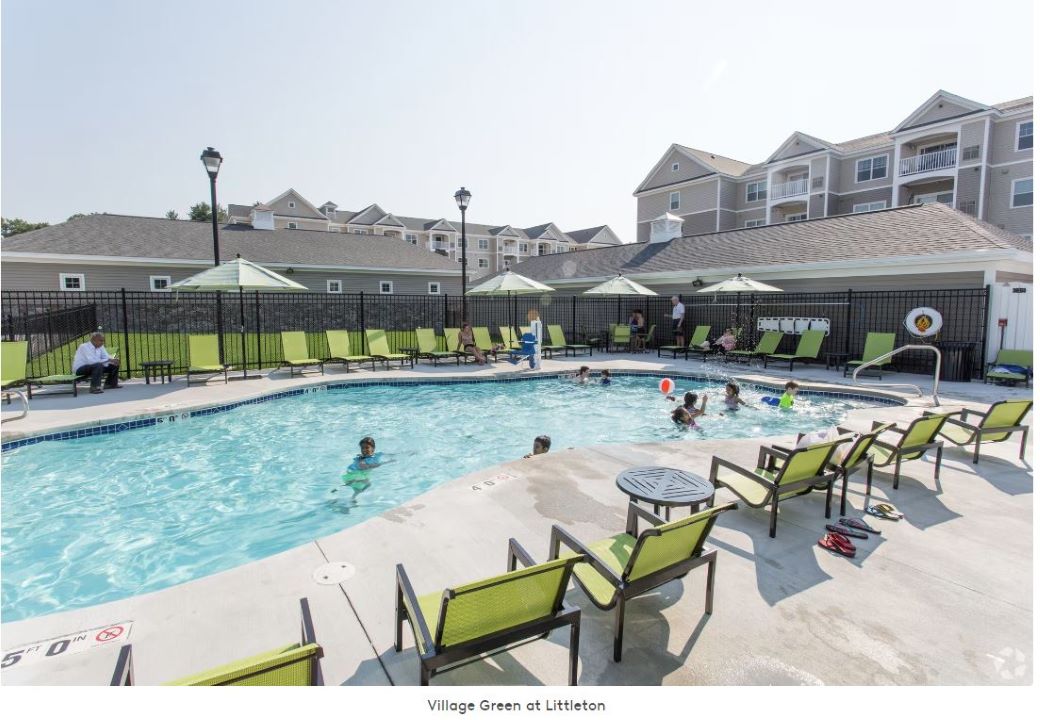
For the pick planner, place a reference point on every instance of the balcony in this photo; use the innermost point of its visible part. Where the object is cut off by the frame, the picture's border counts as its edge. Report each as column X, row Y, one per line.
column 927, row 162
column 789, row 189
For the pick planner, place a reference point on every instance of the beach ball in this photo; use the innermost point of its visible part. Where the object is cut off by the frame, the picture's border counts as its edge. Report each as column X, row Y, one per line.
column 666, row 386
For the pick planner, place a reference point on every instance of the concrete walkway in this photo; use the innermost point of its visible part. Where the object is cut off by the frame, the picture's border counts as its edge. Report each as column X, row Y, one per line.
column 942, row 597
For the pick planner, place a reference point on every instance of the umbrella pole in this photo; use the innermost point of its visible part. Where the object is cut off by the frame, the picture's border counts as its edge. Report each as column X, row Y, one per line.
column 242, row 332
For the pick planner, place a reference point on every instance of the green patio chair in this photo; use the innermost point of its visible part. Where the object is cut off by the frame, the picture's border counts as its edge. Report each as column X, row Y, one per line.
column 626, row 566
column 204, row 357
column 808, row 349
column 296, row 664
column 997, row 424
column 917, row 439
column 767, row 344
column 482, row 337
column 341, row 352
column 294, row 352
column 877, row 344
column 620, row 336
column 509, row 337
column 552, row 347
column 558, row 339
column 380, row 349
column 700, row 334
column 1021, row 358
column 454, row 626
column 800, row 472
column 427, row 342
column 14, row 359
column 451, row 342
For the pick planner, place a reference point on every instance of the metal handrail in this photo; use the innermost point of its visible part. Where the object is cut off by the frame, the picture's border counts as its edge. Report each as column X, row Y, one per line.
column 21, row 396
column 886, row 356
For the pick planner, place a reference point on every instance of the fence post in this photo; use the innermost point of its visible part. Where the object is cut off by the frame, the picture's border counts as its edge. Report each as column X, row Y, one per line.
column 259, row 356
column 574, row 319
column 361, row 322
column 848, row 323
column 126, row 334
column 985, row 333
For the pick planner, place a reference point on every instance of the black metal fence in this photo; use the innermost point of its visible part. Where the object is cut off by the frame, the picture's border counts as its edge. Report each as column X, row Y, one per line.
column 151, row 326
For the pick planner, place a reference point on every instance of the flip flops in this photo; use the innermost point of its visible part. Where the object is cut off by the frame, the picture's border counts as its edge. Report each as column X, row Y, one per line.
column 858, row 525
column 838, row 544
column 847, row 531
column 886, row 511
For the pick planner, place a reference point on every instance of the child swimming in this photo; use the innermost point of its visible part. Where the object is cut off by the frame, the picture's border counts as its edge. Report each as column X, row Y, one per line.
column 356, row 474
column 790, row 392
column 583, row 375
column 604, row 377
column 542, row 443
column 733, row 401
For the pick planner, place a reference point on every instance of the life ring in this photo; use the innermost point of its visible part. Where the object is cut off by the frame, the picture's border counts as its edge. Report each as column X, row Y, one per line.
column 923, row 322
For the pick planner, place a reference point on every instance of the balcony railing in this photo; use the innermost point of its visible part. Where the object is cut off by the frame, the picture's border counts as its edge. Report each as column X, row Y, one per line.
column 928, row 161
column 789, row 189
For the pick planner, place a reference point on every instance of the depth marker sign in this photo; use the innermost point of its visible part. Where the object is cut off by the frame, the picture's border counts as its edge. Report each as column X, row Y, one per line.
column 114, row 634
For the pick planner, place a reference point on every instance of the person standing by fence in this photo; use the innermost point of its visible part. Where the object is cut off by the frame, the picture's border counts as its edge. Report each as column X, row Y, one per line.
column 678, row 311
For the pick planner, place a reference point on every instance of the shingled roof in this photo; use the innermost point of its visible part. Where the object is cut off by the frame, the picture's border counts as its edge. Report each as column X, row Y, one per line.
column 913, row 230
column 158, row 238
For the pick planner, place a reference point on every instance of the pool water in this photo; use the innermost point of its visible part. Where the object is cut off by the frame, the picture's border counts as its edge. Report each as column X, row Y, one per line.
column 100, row 518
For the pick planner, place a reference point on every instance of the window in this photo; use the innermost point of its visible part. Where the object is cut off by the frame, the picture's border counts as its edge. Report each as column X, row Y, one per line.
column 158, row 283
column 334, row 286
column 386, row 287
column 673, row 201
column 796, row 218
column 412, row 238
column 561, row 248
column 874, row 168
column 292, row 226
column 292, row 204
column 946, row 198
column 359, row 232
column 523, row 247
column 971, row 152
column 72, row 282
column 675, row 167
column 482, row 244
column 1022, row 193
column 869, row 206
column 1025, row 136
column 755, row 223
column 482, row 262
column 433, row 288
column 756, row 191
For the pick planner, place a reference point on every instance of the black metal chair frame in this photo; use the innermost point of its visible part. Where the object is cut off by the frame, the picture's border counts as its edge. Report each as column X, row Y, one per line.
column 346, row 363
column 124, row 670
column 625, row 590
column 979, row 432
column 899, row 451
column 210, row 373
column 439, row 659
column 302, row 366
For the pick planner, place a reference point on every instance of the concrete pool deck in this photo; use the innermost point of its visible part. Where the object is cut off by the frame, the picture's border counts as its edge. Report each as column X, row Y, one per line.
column 942, row 597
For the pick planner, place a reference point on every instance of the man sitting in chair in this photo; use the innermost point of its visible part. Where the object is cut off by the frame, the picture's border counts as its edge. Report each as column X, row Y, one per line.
column 92, row 360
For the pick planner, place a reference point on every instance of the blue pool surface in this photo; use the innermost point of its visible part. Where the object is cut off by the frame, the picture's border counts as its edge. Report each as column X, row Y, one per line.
column 101, row 518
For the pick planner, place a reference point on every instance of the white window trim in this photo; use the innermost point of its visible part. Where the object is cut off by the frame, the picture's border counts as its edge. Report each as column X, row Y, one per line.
column 358, row 232
column 82, row 282
column 1012, row 200
column 561, row 248
column 483, row 244
column 796, row 217
column 763, row 191
column 1018, row 137
column 430, row 288
column 328, row 286
column 292, row 204
column 483, row 263
column 871, row 159
column 292, row 226
column 524, row 247
column 153, row 278
column 386, row 282
column 675, row 167
column 865, row 207
column 678, row 200
column 758, row 222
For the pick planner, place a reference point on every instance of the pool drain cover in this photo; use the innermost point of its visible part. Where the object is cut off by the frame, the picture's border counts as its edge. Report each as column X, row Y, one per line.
column 333, row 573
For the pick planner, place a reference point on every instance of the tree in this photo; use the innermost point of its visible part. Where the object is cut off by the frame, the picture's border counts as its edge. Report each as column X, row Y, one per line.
column 14, row 226
column 172, row 215
column 200, row 212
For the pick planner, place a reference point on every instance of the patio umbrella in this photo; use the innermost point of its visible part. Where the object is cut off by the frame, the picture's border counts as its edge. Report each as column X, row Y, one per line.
column 619, row 285
column 509, row 284
column 739, row 284
column 241, row 275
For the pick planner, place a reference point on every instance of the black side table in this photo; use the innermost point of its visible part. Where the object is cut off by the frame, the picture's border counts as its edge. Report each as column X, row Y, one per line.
column 667, row 487
column 157, row 370
column 837, row 359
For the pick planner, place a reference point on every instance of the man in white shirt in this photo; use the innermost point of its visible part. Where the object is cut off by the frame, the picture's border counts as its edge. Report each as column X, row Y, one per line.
column 678, row 311
column 92, row 360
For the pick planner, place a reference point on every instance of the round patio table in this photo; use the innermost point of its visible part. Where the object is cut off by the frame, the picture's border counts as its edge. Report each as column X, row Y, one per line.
column 665, row 487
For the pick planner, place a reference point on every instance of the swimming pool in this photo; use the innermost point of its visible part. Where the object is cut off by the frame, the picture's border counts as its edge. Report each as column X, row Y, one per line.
column 99, row 518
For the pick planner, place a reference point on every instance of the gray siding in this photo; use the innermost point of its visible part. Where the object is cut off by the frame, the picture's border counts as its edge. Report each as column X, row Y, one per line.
column 728, row 220
column 796, row 149
column 743, row 217
column 741, row 195
column 301, row 210
column 728, row 194
column 301, row 223
column 687, row 169
column 847, row 175
column 699, row 223
column 844, row 203
column 998, row 201
column 936, row 113
column 693, row 198
column 889, row 282
column 972, row 133
column 967, row 198
column 816, row 205
column 1003, row 140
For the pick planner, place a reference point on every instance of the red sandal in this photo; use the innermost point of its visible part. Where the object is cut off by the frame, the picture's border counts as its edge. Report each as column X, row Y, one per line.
column 838, row 544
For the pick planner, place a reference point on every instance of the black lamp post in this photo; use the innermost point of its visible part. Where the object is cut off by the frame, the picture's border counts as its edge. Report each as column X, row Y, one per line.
column 211, row 159
column 462, row 200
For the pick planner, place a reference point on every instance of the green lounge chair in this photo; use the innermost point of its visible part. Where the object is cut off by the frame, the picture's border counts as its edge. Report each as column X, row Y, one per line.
column 427, row 342
column 296, row 664
column 482, row 337
column 624, row 567
column 620, row 336
column 14, row 357
column 451, row 341
column 1003, row 419
column 551, row 347
column 877, row 344
column 808, row 349
column 380, row 349
column 340, row 351
column 294, row 352
column 767, row 344
column 454, row 626
column 509, row 337
column 700, row 334
column 801, row 471
column 204, row 357
column 1022, row 358
column 917, row 439
column 558, row 339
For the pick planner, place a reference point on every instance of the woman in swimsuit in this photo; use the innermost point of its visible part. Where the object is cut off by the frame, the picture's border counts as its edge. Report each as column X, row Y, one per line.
column 469, row 345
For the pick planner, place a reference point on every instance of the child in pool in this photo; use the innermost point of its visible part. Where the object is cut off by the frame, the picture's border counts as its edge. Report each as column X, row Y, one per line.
column 583, row 375
column 542, row 443
column 733, row 401
column 368, row 458
column 790, row 392
column 684, row 418
column 604, row 377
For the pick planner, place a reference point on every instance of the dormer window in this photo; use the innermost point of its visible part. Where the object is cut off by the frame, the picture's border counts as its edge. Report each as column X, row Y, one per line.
column 292, row 204
column 675, row 167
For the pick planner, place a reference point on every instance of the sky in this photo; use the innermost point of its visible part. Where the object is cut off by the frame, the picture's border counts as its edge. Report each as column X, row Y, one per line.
column 546, row 110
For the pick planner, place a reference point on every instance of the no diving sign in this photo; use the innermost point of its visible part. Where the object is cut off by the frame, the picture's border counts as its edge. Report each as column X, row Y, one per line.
column 114, row 634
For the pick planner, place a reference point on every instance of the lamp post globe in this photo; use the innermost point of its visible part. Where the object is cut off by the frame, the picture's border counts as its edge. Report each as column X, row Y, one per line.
column 462, row 197
column 211, row 160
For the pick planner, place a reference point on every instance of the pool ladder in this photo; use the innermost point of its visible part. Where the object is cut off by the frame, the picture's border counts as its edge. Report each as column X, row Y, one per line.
column 886, row 356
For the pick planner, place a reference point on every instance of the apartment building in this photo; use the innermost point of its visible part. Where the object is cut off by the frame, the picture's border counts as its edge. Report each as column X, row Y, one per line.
column 489, row 248
column 973, row 157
